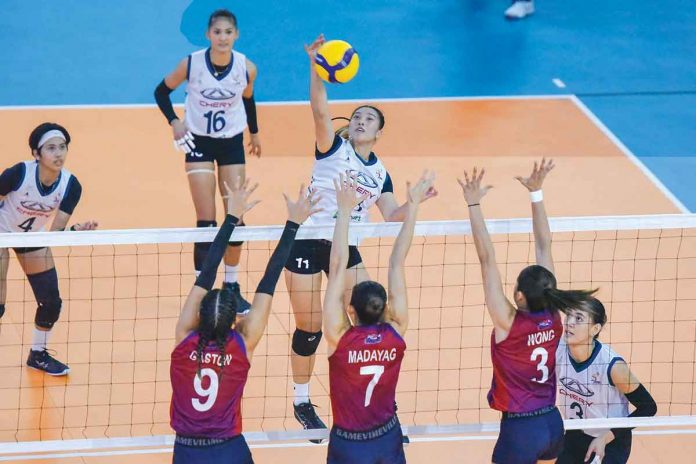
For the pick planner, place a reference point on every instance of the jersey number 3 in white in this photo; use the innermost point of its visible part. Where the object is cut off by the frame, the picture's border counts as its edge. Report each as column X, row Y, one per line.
column 216, row 121
column 209, row 394
column 540, row 352
column 376, row 372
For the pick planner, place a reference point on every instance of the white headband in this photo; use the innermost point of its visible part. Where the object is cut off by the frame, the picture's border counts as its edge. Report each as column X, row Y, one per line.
column 49, row 135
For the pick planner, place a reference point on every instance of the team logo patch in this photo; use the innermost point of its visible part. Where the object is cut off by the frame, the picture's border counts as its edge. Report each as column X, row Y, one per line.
column 218, row 94
column 545, row 324
column 35, row 206
column 575, row 386
column 595, row 378
column 364, row 178
column 373, row 339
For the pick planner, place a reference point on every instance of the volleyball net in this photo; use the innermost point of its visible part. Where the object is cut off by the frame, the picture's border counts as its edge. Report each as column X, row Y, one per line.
column 122, row 292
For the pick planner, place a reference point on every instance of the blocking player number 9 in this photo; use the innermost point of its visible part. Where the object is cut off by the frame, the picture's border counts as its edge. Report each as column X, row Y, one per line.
column 210, row 393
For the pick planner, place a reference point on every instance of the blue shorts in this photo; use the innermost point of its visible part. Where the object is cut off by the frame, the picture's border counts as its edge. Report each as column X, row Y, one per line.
column 576, row 443
column 232, row 451
column 387, row 449
column 525, row 440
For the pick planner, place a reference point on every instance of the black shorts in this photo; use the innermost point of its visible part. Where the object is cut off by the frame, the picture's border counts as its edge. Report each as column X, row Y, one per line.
column 312, row 256
column 224, row 151
column 22, row 250
column 575, row 446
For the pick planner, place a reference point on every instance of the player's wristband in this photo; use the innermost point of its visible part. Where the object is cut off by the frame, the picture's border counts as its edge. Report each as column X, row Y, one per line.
column 473, row 204
column 536, row 196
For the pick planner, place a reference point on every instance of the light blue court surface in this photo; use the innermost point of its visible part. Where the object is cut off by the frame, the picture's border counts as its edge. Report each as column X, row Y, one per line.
column 630, row 61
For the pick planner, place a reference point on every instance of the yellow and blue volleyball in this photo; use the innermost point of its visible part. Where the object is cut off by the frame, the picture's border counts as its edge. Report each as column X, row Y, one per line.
column 337, row 61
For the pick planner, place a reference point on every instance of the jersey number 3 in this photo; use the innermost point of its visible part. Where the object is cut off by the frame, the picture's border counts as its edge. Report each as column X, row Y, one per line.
column 540, row 352
column 376, row 372
column 210, row 393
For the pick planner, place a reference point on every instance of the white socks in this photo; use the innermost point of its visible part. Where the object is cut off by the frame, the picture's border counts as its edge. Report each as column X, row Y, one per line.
column 231, row 273
column 301, row 393
column 40, row 339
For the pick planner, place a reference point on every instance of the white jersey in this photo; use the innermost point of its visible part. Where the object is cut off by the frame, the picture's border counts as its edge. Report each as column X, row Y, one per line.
column 30, row 207
column 585, row 389
column 371, row 176
column 214, row 106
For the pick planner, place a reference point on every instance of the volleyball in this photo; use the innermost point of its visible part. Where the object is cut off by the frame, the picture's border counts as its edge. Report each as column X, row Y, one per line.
column 337, row 61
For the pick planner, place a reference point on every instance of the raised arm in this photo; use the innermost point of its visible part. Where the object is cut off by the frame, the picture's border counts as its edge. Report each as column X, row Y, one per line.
column 500, row 309
column 323, row 128
column 397, row 309
column 237, row 204
column 540, row 222
column 335, row 319
column 254, row 324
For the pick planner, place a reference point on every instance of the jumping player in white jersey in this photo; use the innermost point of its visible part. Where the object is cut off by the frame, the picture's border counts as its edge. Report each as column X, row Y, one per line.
column 334, row 155
column 595, row 382
column 219, row 106
column 31, row 193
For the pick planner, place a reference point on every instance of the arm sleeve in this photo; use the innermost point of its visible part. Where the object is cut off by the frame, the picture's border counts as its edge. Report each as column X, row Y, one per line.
column 338, row 141
column 73, row 193
column 388, row 186
column 206, row 278
column 250, row 108
column 645, row 406
column 11, row 179
column 164, row 102
column 278, row 259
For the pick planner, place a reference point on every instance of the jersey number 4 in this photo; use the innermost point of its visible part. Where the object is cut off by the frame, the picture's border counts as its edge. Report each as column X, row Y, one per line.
column 210, row 393
column 216, row 121
column 376, row 372
column 26, row 225
column 541, row 352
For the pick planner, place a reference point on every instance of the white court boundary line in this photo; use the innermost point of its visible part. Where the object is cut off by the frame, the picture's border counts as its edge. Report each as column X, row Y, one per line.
column 629, row 154
column 279, row 436
column 296, row 102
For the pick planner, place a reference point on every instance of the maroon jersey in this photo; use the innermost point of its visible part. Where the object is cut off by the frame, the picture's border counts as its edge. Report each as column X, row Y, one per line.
column 524, row 364
column 363, row 372
column 210, row 405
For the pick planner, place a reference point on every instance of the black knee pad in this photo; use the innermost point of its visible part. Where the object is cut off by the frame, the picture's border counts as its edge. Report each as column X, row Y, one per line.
column 200, row 249
column 237, row 244
column 305, row 343
column 48, row 313
column 45, row 287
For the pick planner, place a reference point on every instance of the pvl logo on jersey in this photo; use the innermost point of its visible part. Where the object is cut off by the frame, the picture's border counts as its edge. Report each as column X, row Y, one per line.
column 363, row 178
column 36, row 206
column 575, row 386
column 373, row 339
column 218, row 93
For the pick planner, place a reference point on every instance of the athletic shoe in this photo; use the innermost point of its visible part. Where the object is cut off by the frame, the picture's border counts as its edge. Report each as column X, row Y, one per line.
column 42, row 361
column 307, row 416
column 243, row 306
column 519, row 10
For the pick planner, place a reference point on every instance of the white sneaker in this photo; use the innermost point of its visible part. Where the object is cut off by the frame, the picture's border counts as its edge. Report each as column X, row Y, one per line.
column 519, row 10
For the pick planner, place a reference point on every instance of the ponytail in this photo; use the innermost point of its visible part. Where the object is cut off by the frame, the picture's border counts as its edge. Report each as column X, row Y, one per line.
column 343, row 130
column 563, row 300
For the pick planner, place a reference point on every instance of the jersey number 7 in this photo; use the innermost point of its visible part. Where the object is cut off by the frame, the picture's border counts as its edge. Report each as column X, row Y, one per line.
column 376, row 372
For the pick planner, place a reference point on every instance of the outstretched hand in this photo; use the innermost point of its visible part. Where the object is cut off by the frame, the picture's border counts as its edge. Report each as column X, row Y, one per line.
column 471, row 186
column 314, row 46
column 238, row 197
column 305, row 206
column 87, row 225
column 423, row 189
column 536, row 178
column 347, row 195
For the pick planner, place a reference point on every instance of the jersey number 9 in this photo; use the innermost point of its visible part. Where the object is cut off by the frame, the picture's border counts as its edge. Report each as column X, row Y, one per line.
column 210, row 393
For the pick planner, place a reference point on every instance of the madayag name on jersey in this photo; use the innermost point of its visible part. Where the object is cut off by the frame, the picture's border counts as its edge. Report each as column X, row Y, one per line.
column 371, row 354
